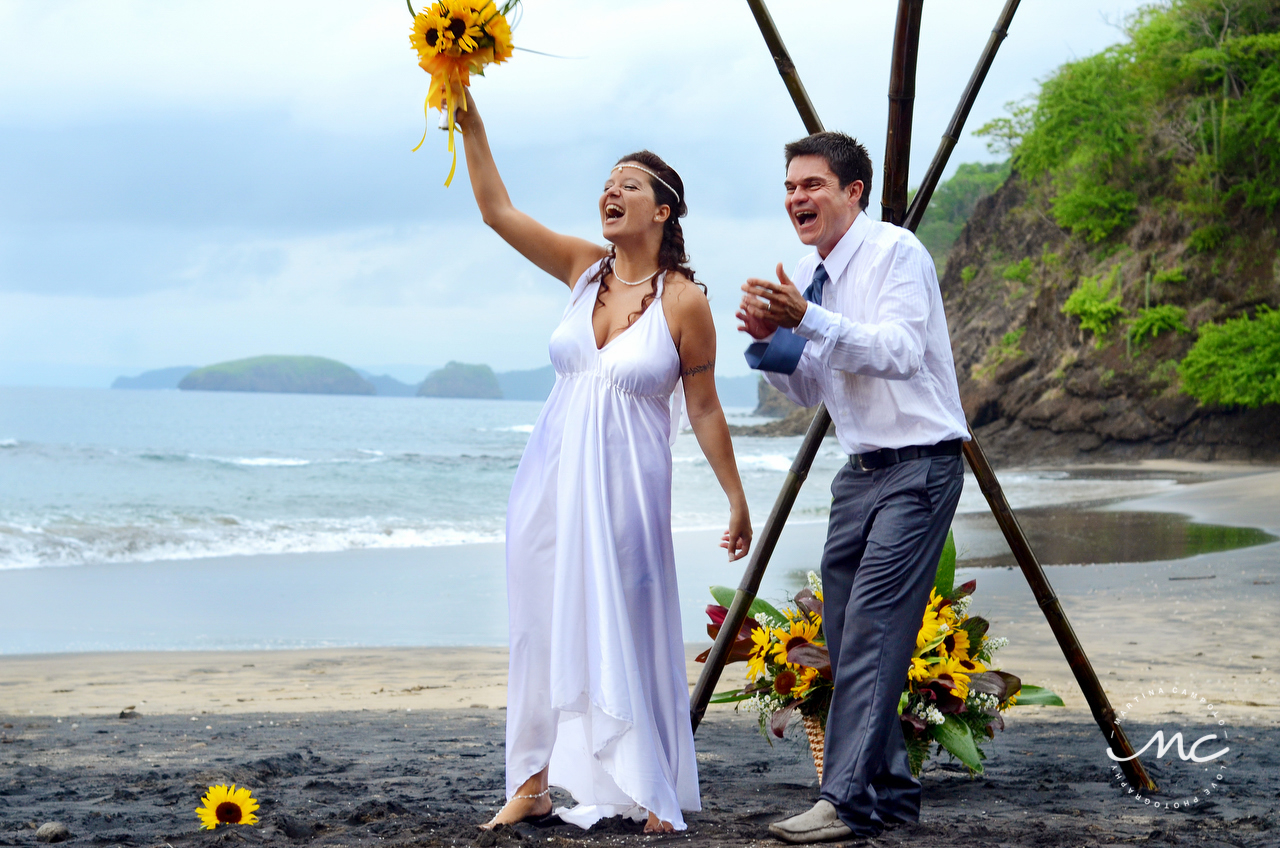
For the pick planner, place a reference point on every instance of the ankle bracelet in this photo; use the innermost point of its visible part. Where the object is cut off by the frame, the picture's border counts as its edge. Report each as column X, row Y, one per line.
column 531, row 797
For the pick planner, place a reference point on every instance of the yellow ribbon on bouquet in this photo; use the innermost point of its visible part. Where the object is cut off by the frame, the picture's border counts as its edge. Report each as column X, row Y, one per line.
column 455, row 39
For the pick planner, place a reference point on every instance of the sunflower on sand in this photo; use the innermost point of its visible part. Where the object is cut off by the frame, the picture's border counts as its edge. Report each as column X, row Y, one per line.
column 224, row 804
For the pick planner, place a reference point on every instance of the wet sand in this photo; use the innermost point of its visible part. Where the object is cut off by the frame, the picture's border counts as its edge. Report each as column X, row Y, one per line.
column 356, row 746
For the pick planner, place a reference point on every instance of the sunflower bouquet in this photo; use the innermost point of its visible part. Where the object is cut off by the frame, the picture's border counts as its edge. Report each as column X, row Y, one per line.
column 952, row 697
column 455, row 39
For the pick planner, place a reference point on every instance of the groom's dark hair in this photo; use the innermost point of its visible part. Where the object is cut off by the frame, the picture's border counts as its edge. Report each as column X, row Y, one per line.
column 846, row 158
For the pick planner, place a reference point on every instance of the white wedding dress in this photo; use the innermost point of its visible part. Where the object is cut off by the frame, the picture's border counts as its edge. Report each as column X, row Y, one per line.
column 597, row 687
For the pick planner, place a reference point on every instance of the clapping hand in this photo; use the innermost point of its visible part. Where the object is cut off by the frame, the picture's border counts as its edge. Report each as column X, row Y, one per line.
column 766, row 306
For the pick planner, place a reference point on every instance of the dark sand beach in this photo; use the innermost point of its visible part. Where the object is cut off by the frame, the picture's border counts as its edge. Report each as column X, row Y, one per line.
column 403, row 746
column 427, row 778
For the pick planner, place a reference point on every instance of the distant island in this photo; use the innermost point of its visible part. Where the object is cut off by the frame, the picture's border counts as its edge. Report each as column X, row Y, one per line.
column 318, row 375
column 313, row 375
column 161, row 378
column 460, row 380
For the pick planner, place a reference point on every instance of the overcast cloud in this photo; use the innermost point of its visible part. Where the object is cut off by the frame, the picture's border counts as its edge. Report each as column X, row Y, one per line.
column 185, row 183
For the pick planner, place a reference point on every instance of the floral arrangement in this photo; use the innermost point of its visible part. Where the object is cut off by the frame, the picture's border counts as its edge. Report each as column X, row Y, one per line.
column 788, row 667
column 224, row 804
column 952, row 696
column 455, row 39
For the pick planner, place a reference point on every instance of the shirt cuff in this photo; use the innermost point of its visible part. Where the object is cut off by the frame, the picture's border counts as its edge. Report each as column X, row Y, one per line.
column 813, row 326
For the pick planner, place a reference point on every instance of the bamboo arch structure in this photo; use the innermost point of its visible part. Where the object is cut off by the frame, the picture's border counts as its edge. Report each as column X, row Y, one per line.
column 902, row 84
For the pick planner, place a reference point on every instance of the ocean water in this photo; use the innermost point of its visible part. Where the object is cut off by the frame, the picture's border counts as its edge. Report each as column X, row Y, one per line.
column 92, row 476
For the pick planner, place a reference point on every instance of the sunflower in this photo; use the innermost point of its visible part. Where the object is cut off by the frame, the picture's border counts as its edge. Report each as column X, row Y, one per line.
column 497, row 28
column 960, row 669
column 462, row 23
column 804, row 682
column 956, row 644
column 930, row 628
column 429, row 36
column 800, row 631
column 919, row 671
column 227, row 805
column 762, row 639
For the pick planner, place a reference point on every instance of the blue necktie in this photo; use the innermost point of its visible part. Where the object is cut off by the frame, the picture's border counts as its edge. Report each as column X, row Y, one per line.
column 782, row 352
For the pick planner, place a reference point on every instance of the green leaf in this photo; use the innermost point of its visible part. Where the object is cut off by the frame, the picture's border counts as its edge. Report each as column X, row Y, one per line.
column 724, row 597
column 955, row 736
column 760, row 606
column 932, row 643
column 730, row 697
column 946, row 578
column 1038, row 695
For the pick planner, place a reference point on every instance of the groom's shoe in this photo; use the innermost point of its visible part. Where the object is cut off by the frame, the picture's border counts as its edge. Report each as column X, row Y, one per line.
column 820, row 824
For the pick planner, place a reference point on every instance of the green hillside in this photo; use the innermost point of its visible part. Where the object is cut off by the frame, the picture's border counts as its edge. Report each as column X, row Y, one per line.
column 1112, row 295
column 953, row 203
column 460, row 380
column 292, row 374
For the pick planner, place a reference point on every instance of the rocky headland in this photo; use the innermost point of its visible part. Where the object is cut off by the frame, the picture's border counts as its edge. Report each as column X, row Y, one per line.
column 289, row 374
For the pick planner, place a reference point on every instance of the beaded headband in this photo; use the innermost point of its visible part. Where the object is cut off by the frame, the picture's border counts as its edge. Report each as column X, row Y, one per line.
column 650, row 173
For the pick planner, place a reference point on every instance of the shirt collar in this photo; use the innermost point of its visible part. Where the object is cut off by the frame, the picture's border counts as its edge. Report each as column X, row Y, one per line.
column 838, row 259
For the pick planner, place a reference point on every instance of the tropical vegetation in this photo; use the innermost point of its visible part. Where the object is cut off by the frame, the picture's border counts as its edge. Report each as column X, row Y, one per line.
column 1157, row 161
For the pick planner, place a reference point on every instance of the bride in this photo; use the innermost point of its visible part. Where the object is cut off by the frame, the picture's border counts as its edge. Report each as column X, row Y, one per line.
column 598, row 696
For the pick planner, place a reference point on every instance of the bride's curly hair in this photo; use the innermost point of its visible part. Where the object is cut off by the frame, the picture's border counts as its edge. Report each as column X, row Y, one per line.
column 671, row 254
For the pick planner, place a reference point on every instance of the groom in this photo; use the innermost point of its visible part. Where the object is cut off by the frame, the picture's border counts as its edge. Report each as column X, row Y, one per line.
column 869, row 339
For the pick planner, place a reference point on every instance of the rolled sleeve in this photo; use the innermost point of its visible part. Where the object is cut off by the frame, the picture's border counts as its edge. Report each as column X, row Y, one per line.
column 890, row 347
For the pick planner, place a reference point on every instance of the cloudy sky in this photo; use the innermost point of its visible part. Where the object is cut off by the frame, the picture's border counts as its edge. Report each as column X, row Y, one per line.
column 183, row 183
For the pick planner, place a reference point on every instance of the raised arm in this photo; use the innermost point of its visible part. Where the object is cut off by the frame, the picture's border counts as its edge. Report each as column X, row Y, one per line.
column 696, row 344
column 563, row 257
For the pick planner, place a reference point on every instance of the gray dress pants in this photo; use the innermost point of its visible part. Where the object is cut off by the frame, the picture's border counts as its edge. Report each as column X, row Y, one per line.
column 886, row 533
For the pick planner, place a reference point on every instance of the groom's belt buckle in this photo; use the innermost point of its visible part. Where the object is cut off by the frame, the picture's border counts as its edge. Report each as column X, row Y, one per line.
column 883, row 458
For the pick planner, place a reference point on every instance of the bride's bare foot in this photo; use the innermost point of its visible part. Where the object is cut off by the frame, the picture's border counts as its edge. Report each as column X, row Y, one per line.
column 656, row 825
column 519, row 809
column 533, row 798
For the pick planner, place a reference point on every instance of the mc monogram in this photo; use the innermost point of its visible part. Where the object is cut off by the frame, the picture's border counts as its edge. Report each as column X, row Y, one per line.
column 1162, row 747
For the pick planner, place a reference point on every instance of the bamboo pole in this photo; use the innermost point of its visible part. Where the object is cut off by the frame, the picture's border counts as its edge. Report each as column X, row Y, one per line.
column 902, row 84
column 786, row 68
column 1085, row 676
column 902, row 97
column 951, row 137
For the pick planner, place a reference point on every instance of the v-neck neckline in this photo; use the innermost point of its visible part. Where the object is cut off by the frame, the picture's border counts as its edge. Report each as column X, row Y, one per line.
column 657, row 301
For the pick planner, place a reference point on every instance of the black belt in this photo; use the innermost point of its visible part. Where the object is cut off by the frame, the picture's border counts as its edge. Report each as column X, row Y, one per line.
column 885, row 457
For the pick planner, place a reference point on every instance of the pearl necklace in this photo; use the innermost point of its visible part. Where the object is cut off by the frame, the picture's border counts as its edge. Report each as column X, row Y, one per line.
column 614, row 271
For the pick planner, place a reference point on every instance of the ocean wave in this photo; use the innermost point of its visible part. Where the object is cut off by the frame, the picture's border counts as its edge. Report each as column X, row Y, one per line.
column 257, row 461
column 766, row 462
column 514, row 428
column 749, row 462
column 71, row 540
column 8, row 443
column 242, row 461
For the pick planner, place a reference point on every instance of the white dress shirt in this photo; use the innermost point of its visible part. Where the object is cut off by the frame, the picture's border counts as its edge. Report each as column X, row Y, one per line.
column 878, row 352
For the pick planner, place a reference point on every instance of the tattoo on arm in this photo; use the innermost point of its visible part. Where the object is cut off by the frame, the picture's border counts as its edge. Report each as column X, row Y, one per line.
column 698, row 369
